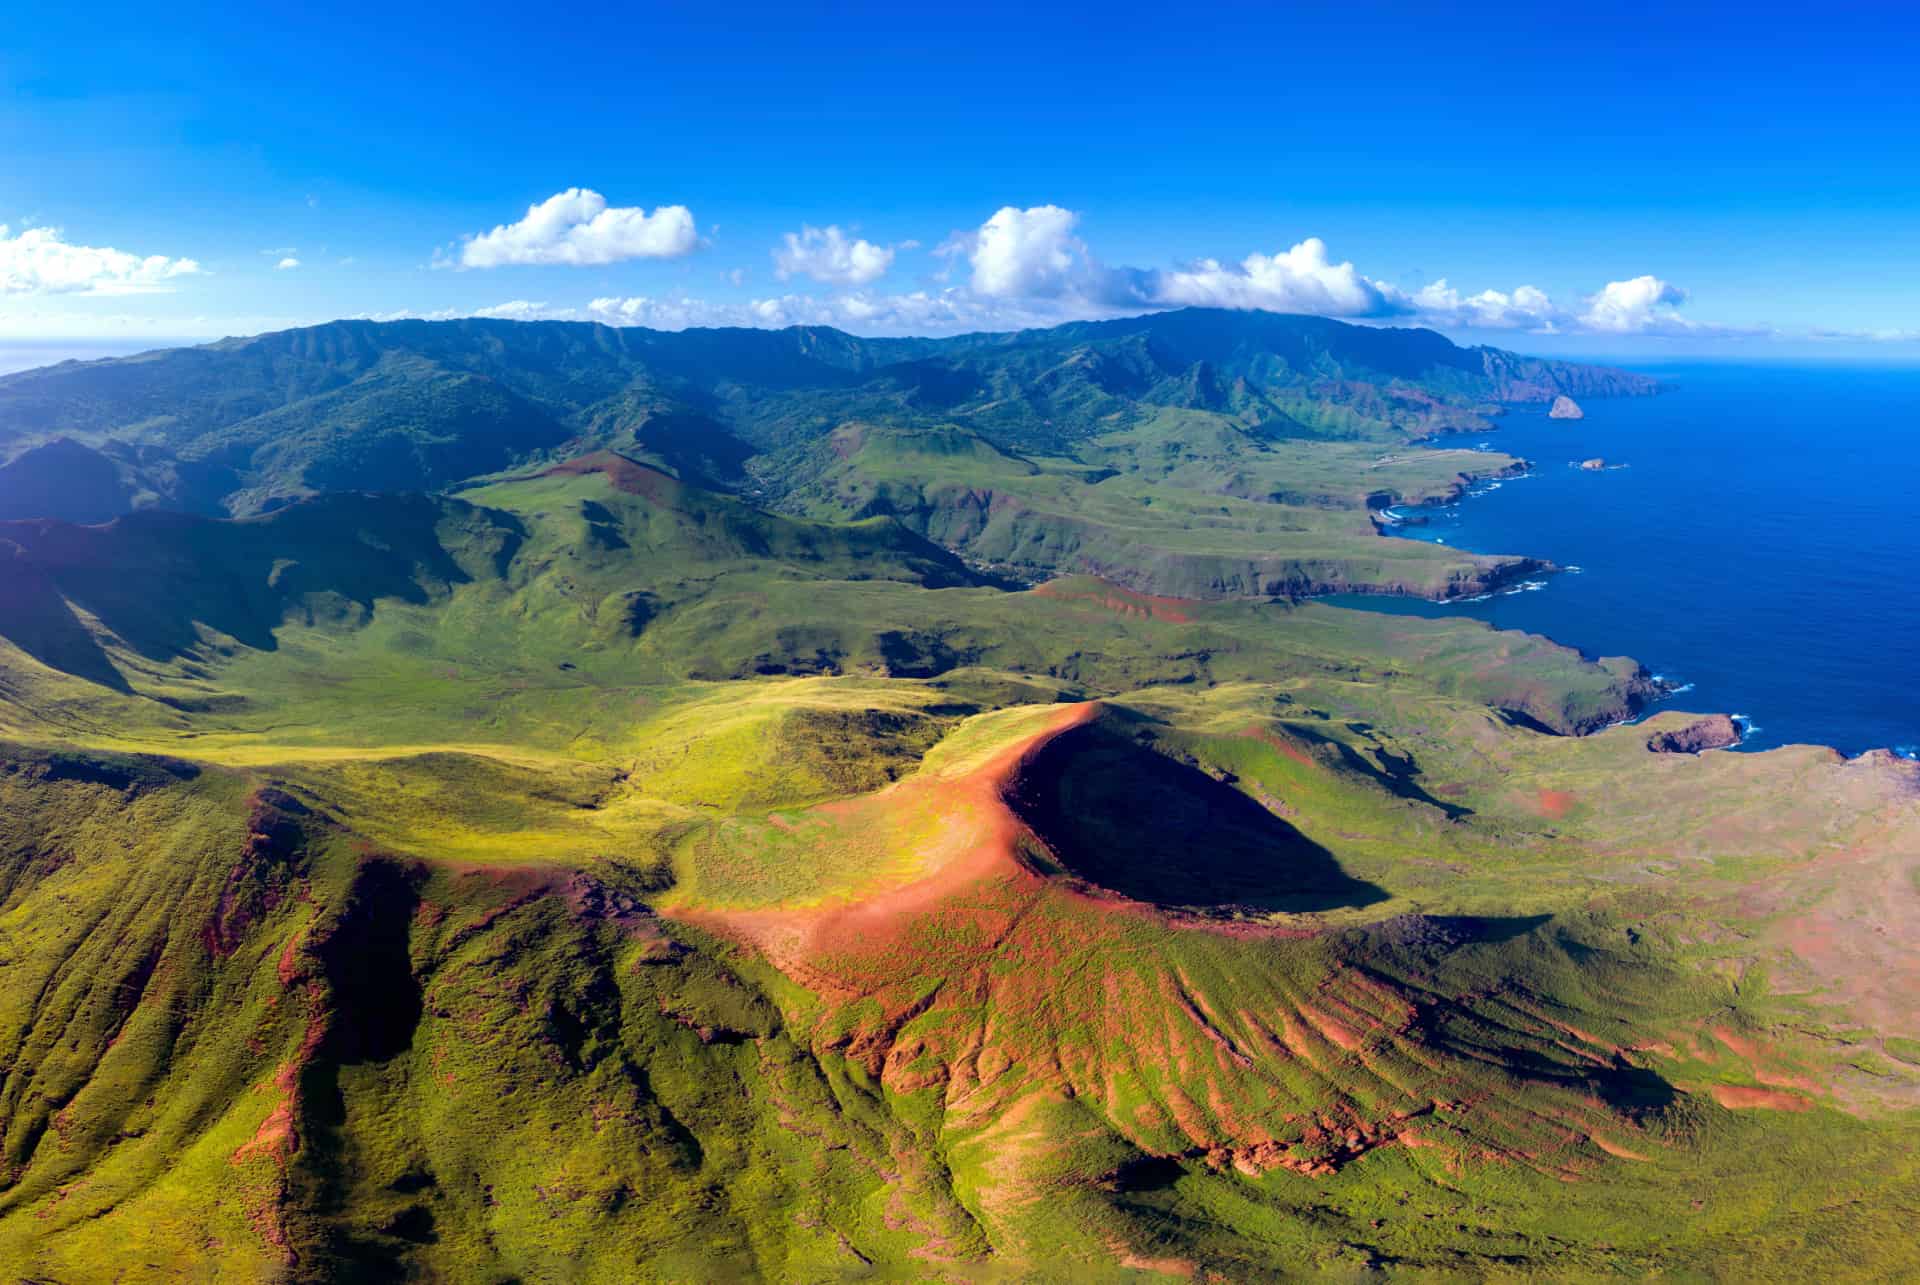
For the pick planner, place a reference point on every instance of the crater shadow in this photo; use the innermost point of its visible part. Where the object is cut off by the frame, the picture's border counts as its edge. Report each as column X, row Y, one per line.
column 1136, row 822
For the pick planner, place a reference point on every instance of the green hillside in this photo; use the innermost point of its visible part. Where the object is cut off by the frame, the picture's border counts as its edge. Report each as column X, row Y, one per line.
column 570, row 804
column 1201, row 454
column 591, row 876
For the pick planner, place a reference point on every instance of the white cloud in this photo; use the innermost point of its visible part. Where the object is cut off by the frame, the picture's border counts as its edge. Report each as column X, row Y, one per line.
column 676, row 313
column 828, row 255
column 577, row 227
column 512, row 310
column 1644, row 305
column 1526, row 308
column 1029, row 254
column 37, row 261
column 286, row 264
column 1029, row 267
column 917, row 312
column 523, row 310
column 1303, row 279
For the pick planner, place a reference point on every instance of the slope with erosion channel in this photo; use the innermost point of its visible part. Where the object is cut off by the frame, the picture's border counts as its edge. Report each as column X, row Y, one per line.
column 811, row 919
column 955, row 1038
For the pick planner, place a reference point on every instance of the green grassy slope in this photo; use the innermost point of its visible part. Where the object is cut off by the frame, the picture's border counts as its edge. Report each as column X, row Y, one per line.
column 592, row 877
column 1188, row 505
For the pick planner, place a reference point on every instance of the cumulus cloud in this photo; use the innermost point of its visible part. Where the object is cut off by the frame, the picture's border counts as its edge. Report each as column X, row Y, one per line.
column 1030, row 266
column 1644, row 305
column 828, row 255
column 1303, row 279
column 1026, row 254
column 38, row 261
column 1526, row 308
column 578, row 228
column 1036, row 256
column 286, row 264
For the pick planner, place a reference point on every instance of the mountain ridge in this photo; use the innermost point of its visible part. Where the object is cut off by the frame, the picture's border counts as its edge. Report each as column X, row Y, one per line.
column 255, row 405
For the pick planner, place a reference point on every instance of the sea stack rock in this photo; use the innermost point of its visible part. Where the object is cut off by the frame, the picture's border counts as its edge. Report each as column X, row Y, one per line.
column 1564, row 407
column 1593, row 465
column 1714, row 732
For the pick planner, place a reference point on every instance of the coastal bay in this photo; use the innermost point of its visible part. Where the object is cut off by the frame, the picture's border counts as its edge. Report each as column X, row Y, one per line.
column 1750, row 538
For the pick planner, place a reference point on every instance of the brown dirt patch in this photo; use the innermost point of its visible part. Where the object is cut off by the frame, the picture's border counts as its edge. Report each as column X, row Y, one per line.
column 1554, row 804
column 622, row 473
column 1615, row 1149
column 1740, row 1097
column 1124, row 602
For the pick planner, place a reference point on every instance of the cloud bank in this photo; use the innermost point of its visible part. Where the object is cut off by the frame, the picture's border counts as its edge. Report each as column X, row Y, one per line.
column 1026, row 267
column 578, row 228
column 1032, row 267
column 38, row 261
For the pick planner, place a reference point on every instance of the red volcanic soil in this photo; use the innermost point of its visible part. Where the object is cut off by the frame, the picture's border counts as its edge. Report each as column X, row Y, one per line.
column 1554, row 803
column 1125, row 602
column 791, row 936
column 624, row 474
column 1003, row 988
column 1281, row 743
column 1740, row 1096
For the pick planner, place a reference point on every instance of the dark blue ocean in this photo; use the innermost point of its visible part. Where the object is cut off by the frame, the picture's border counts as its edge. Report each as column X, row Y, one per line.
column 1761, row 544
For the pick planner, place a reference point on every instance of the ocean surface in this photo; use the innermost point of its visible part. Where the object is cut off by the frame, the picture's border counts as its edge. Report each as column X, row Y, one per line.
column 1756, row 537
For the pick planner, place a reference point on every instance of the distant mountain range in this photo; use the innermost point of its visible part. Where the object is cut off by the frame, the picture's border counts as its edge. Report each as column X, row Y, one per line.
column 247, row 425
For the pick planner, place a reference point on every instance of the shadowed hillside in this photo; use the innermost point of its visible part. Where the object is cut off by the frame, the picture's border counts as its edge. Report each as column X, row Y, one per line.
column 1118, row 814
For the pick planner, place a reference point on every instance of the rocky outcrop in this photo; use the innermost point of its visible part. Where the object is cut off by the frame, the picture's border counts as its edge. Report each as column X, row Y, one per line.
column 1564, row 407
column 1714, row 732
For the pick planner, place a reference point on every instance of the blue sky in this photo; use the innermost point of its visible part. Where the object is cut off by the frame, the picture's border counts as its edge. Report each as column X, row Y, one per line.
column 1725, row 181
